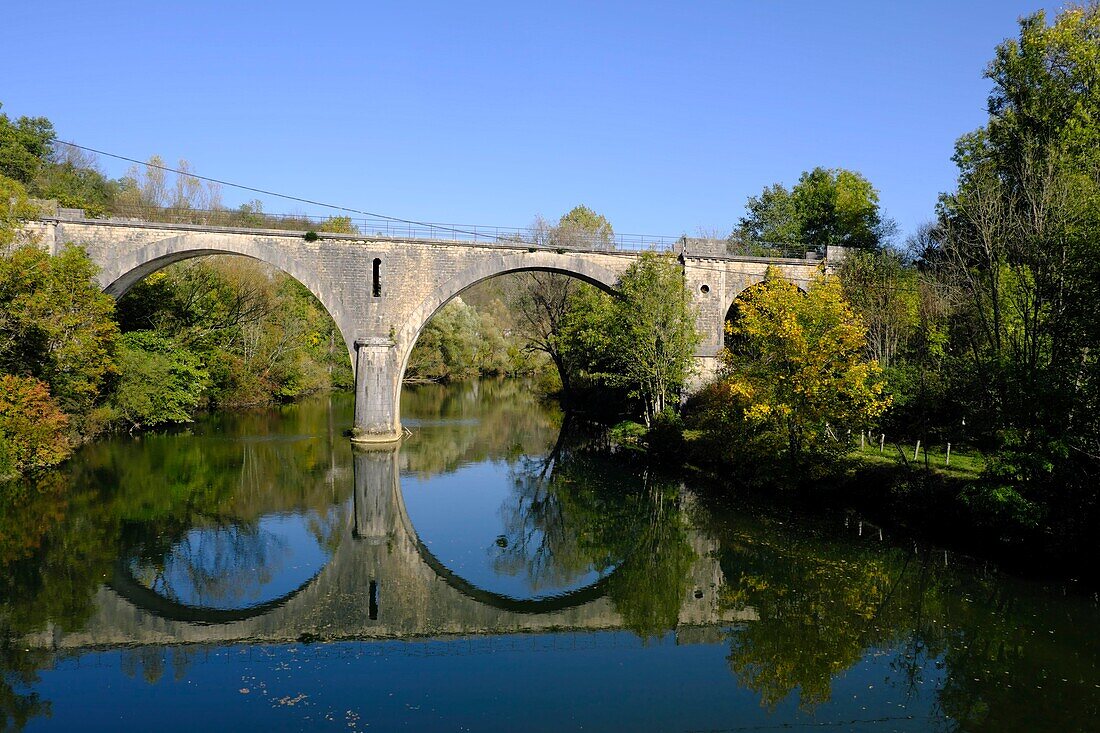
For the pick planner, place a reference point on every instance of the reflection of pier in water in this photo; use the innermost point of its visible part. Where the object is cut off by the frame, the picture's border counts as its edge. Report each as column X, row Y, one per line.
column 381, row 582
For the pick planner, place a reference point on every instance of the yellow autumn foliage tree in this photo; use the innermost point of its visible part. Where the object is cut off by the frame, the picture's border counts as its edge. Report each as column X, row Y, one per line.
column 795, row 378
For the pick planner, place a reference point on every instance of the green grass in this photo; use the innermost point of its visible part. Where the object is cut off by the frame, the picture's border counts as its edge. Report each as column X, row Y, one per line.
column 964, row 463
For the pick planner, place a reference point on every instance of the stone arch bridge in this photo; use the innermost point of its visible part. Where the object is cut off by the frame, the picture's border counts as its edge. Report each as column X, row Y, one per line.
column 382, row 290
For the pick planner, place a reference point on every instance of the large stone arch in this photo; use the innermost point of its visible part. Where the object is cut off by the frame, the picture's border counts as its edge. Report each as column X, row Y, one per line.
column 574, row 265
column 125, row 271
column 381, row 361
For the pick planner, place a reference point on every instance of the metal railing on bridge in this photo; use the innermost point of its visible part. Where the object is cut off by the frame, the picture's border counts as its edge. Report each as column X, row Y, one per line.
column 539, row 236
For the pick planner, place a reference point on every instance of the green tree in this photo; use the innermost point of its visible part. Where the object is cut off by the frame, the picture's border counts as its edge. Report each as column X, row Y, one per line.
column 827, row 207
column 771, row 218
column 16, row 209
column 653, row 330
column 580, row 227
column 339, row 225
column 1020, row 251
column 542, row 302
column 795, row 375
column 884, row 291
column 71, row 177
column 448, row 347
column 260, row 334
column 24, row 145
column 586, row 337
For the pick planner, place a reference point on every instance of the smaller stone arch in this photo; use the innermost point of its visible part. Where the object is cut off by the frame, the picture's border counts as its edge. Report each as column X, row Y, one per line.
column 744, row 284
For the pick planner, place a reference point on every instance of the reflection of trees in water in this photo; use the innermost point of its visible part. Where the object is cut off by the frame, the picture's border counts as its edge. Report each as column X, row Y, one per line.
column 18, row 672
column 651, row 584
column 211, row 547
column 231, row 563
column 151, row 662
column 539, row 539
column 216, row 565
column 457, row 424
column 826, row 601
column 576, row 511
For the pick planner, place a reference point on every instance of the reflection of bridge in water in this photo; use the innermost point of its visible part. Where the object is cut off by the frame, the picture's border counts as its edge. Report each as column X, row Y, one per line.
column 381, row 582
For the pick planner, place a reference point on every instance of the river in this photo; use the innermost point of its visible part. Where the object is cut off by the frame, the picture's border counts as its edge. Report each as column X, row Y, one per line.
column 498, row 571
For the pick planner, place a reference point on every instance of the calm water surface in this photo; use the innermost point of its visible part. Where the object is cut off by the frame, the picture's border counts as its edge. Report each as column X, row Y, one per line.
column 497, row 572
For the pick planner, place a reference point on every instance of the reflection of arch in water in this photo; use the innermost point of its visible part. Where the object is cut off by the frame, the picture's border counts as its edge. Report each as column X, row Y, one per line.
column 126, row 585
column 381, row 518
column 124, row 582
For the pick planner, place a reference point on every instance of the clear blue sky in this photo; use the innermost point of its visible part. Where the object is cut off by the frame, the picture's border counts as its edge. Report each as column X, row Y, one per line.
column 663, row 117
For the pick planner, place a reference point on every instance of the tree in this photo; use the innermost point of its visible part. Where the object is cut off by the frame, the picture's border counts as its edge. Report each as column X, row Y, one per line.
column 32, row 427
column 541, row 301
column 147, row 190
column 339, row 225
column 883, row 290
column 15, row 209
column 586, row 338
column 56, row 324
column 583, row 227
column 771, row 217
column 827, row 207
column 260, row 334
column 448, row 347
column 653, row 333
column 1020, row 247
column 24, row 145
column 795, row 376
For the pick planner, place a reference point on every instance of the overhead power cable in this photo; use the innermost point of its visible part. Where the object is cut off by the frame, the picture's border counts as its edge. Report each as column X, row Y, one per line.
column 265, row 192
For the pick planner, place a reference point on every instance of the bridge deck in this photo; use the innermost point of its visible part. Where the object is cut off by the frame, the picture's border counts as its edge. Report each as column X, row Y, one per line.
column 628, row 244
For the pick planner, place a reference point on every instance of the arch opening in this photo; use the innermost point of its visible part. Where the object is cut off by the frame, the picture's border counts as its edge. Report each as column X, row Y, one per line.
column 256, row 331
column 382, row 360
column 499, row 296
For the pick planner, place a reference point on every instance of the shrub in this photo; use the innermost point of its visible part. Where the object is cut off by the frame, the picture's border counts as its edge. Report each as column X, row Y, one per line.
column 33, row 429
column 159, row 382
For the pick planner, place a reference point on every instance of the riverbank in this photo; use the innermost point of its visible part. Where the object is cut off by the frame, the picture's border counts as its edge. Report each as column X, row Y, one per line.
column 925, row 500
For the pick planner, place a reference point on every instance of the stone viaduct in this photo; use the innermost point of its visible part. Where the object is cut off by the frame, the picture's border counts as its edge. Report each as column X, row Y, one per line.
column 380, row 583
column 382, row 290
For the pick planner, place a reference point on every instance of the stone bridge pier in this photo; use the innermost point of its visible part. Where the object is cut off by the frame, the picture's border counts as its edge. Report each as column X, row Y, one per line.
column 381, row 291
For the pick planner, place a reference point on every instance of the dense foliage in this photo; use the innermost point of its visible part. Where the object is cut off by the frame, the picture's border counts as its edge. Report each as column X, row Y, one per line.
column 246, row 332
column 1018, row 244
column 795, row 379
column 32, row 427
